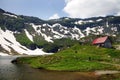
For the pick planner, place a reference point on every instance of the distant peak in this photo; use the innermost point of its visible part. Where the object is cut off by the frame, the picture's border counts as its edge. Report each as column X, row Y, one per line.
column 1, row 10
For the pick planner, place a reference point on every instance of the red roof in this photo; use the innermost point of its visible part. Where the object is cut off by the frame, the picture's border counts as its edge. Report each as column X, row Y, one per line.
column 100, row 40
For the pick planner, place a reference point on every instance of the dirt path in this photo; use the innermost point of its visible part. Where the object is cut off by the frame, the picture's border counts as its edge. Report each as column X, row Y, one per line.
column 106, row 72
column 117, row 47
column 102, row 72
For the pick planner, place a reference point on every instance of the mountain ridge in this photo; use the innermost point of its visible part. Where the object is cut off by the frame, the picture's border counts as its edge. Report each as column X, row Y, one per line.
column 33, row 33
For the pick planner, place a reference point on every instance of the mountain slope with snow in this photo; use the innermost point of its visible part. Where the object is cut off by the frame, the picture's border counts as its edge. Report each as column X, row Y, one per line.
column 11, row 46
column 28, row 35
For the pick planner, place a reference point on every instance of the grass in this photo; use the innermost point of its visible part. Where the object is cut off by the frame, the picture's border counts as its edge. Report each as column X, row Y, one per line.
column 76, row 58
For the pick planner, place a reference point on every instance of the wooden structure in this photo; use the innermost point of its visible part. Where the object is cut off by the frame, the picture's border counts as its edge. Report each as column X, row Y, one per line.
column 102, row 42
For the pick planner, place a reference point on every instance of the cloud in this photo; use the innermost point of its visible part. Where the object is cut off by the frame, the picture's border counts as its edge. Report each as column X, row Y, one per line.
column 55, row 16
column 67, row 1
column 91, row 8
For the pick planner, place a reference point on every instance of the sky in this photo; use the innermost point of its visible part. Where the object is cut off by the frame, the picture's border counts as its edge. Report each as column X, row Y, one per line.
column 52, row 9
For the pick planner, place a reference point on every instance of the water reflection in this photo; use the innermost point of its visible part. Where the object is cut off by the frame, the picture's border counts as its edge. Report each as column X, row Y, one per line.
column 9, row 71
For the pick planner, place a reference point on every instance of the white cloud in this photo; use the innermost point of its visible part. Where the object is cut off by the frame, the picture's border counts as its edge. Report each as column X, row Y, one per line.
column 55, row 16
column 91, row 8
column 67, row 1
column 118, row 14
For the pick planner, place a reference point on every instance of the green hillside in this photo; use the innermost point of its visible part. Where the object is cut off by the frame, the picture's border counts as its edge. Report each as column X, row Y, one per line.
column 77, row 58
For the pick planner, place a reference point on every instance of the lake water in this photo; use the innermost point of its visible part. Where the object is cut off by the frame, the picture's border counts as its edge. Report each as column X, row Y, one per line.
column 9, row 71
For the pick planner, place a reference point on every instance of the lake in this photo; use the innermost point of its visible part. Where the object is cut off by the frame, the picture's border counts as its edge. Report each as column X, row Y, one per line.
column 10, row 71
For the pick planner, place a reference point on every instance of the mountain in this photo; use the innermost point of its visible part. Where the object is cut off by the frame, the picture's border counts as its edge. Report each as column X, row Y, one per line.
column 21, row 34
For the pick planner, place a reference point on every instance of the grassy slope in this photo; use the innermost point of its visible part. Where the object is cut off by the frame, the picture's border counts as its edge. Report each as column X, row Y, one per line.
column 76, row 58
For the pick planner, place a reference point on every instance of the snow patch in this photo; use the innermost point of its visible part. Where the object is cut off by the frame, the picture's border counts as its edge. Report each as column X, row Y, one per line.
column 114, row 28
column 56, row 37
column 67, row 18
column 57, row 24
column 79, row 31
column 16, row 45
column 10, row 15
column 100, row 30
column 87, row 31
column 94, row 30
column 47, row 38
column 107, row 24
column 3, row 54
column 28, row 35
column 44, row 24
column 99, row 20
column 81, row 21
column 57, row 33
column 43, row 30
column 37, row 52
column 66, row 32
column 5, row 47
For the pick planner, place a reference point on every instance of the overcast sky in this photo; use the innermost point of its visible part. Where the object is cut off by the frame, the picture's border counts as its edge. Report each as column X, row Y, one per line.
column 50, row 9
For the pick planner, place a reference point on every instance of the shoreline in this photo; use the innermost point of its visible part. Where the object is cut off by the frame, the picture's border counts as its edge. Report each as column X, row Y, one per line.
column 96, row 72
column 95, row 75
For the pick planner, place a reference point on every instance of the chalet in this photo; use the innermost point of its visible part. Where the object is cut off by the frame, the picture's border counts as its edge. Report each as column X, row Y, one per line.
column 102, row 42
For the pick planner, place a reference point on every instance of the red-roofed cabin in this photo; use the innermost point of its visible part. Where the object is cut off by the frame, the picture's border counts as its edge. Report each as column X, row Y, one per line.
column 102, row 42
